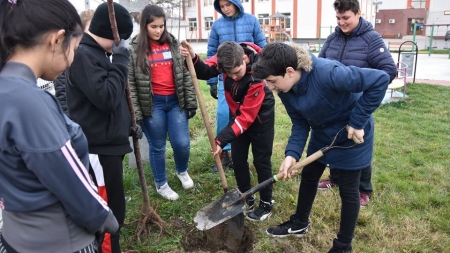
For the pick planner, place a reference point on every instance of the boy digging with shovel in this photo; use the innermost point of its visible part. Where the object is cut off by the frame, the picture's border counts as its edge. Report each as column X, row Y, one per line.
column 252, row 117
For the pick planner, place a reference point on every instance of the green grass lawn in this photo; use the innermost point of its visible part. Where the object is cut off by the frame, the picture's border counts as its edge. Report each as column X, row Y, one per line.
column 410, row 206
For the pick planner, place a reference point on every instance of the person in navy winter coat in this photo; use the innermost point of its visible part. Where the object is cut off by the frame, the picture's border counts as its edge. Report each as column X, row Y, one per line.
column 321, row 97
column 356, row 43
column 238, row 26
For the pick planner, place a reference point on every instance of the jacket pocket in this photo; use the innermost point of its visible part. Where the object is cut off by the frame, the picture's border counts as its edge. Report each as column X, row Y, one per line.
column 357, row 49
column 110, row 129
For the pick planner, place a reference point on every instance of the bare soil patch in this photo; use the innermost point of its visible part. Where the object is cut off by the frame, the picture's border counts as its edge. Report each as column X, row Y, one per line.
column 216, row 239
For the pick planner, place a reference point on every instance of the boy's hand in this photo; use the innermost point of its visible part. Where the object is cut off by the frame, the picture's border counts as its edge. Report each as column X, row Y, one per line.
column 186, row 51
column 288, row 162
column 121, row 48
column 138, row 131
column 358, row 133
column 218, row 150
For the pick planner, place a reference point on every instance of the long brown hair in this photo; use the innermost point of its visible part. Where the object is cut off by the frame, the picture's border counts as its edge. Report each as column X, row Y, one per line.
column 149, row 14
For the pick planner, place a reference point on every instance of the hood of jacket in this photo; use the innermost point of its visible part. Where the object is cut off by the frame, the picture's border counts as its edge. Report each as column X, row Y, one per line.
column 89, row 41
column 363, row 27
column 236, row 3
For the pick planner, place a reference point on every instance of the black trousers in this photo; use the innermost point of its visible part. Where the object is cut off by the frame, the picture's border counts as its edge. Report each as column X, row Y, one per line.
column 113, row 178
column 348, row 191
column 365, row 184
column 261, row 141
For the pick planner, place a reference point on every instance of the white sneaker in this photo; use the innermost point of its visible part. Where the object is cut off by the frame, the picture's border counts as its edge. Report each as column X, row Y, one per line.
column 167, row 192
column 186, row 180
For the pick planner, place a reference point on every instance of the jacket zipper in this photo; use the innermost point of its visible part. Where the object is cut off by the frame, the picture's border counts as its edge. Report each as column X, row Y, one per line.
column 343, row 49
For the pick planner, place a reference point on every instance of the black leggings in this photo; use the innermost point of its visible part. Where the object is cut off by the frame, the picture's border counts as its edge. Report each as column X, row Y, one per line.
column 348, row 191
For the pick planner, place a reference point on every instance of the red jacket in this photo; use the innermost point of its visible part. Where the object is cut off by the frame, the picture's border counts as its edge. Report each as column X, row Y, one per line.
column 250, row 101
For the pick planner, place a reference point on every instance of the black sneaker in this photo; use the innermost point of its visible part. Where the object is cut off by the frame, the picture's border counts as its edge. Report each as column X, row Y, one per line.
column 340, row 247
column 291, row 227
column 262, row 212
column 226, row 161
column 250, row 201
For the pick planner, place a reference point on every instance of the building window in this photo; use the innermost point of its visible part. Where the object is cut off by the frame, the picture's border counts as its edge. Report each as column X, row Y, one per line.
column 208, row 23
column 192, row 3
column 193, row 24
column 287, row 20
column 244, row 1
column 418, row 4
column 263, row 19
column 207, row 2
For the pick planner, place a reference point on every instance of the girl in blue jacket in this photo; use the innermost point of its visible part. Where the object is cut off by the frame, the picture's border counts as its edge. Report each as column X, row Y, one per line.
column 321, row 97
column 49, row 202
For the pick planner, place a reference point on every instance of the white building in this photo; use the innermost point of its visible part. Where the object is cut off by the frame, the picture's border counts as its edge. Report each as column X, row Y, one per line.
column 307, row 19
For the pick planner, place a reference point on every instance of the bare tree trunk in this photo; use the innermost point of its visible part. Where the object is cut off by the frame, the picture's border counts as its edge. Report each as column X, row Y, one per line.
column 148, row 214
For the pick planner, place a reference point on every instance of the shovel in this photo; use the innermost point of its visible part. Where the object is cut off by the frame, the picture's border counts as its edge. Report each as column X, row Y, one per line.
column 233, row 202
column 236, row 223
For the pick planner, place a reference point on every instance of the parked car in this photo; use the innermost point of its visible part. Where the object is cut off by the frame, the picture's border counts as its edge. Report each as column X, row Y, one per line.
column 447, row 35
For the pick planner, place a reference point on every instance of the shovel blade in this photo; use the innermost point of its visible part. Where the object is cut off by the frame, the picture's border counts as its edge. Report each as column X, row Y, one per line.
column 220, row 210
column 236, row 225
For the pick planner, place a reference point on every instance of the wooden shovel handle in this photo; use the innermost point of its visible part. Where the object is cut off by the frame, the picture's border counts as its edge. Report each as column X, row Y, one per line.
column 205, row 118
column 302, row 163
column 309, row 159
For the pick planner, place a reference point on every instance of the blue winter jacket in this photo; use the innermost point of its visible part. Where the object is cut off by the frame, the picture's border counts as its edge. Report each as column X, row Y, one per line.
column 242, row 27
column 363, row 48
column 325, row 100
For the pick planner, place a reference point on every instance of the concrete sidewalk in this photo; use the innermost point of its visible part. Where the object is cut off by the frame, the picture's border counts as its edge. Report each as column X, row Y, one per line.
column 433, row 69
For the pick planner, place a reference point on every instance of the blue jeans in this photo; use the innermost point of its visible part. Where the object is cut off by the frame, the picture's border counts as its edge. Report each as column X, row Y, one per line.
column 223, row 112
column 167, row 118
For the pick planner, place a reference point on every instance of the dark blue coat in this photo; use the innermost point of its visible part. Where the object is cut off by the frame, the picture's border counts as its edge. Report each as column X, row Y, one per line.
column 243, row 27
column 325, row 100
column 363, row 48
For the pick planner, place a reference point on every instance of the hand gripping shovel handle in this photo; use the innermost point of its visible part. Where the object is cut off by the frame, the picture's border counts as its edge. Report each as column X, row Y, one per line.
column 279, row 176
column 205, row 118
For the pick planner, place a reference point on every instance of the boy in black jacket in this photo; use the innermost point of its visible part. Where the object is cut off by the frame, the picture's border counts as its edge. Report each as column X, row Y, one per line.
column 96, row 99
column 252, row 116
